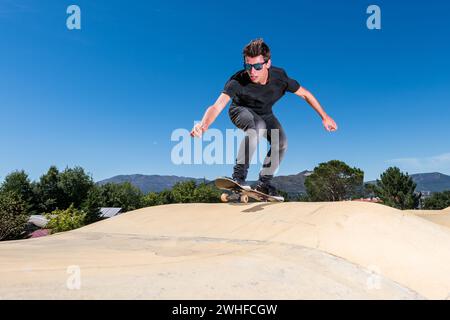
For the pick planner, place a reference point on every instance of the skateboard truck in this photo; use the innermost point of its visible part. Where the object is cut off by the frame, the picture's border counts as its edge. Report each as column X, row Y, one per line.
column 241, row 193
column 235, row 196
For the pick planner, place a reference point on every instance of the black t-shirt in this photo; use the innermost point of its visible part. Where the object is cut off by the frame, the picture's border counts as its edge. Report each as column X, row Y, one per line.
column 258, row 97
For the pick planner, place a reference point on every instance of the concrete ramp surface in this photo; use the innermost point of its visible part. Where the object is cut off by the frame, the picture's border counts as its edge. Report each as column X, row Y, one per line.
column 293, row 250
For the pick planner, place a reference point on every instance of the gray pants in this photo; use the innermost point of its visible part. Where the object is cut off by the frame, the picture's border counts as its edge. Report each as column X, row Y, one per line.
column 255, row 127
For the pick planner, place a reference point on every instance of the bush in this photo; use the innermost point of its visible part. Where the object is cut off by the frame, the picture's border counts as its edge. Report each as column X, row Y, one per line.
column 151, row 199
column 165, row 197
column 65, row 220
column 205, row 193
column 189, row 192
column 183, row 192
column 13, row 217
column 157, row 199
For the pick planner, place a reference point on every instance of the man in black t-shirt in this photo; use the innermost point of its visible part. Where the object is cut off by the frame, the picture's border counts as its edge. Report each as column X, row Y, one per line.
column 253, row 91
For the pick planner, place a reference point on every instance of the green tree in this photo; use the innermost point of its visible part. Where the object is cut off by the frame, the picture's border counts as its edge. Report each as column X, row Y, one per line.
column 18, row 183
column 92, row 204
column 65, row 220
column 166, row 197
column 437, row 201
column 369, row 190
column 183, row 192
column 158, row 198
column 334, row 181
column 396, row 189
column 13, row 216
column 49, row 191
column 122, row 195
column 151, row 199
column 75, row 185
column 130, row 197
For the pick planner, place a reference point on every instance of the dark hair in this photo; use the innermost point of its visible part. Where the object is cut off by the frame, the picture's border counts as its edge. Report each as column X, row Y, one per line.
column 255, row 48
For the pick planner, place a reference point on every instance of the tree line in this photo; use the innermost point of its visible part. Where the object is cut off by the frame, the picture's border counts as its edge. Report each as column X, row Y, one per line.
column 70, row 198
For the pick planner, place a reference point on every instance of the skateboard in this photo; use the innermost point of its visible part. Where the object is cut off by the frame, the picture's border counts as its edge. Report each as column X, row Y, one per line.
column 241, row 194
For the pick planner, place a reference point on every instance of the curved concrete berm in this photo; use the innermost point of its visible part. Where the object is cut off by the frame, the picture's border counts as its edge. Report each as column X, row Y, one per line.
column 441, row 217
column 340, row 250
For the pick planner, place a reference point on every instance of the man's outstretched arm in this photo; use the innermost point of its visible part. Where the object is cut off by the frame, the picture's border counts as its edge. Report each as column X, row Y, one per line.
column 327, row 121
column 210, row 115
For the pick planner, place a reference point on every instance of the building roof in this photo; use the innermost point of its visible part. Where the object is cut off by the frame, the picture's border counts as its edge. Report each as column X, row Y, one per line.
column 40, row 233
column 38, row 220
column 109, row 212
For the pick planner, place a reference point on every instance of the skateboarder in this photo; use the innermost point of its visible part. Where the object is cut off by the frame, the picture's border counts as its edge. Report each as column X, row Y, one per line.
column 253, row 91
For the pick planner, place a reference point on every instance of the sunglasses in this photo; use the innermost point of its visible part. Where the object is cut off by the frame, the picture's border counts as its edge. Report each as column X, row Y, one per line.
column 257, row 66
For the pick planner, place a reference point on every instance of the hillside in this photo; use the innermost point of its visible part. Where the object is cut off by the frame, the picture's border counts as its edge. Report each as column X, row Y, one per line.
column 292, row 184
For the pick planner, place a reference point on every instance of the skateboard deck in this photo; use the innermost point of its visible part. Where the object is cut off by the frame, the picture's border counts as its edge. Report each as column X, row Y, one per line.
column 240, row 193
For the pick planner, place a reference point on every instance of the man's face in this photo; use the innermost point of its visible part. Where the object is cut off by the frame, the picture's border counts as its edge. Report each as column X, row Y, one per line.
column 258, row 76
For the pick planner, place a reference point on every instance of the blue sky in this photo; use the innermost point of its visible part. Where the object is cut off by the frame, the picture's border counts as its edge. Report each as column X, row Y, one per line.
column 107, row 97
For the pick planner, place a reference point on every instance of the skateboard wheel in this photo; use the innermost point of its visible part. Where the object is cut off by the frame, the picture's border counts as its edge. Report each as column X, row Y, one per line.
column 224, row 197
column 244, row 198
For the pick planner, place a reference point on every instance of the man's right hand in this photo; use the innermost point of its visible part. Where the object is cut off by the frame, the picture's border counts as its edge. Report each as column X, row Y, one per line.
column 210, row 115
column 198, row 130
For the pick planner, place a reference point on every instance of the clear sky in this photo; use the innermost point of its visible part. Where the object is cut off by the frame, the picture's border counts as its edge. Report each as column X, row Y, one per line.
column 108, row 97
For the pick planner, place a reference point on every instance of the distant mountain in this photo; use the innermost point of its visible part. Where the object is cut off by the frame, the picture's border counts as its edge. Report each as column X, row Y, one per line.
column 434, row 182
column 292, row 184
